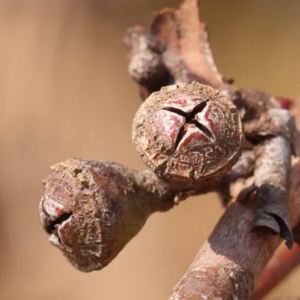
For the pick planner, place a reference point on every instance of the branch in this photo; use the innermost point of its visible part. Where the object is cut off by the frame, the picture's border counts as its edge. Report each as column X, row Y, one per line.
column 176, row 45
column 92, row 209
column 284, row 262
column 234, row 256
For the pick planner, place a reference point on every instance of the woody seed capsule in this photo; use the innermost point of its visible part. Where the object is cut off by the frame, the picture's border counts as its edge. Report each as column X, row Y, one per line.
column 187, row 133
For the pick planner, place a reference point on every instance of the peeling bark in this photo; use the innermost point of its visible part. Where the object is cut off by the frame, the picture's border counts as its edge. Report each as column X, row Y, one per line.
column 234, row 246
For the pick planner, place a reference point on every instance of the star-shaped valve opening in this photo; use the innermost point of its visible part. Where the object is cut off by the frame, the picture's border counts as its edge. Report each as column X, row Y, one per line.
column 187, row 133
column 197, row 127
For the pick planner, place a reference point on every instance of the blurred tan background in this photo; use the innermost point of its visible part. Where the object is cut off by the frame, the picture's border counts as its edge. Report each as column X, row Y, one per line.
column 64, row 92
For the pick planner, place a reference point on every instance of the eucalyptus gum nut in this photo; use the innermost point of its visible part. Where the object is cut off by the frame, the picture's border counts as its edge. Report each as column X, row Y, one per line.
column 92, row 209
column 187, row 133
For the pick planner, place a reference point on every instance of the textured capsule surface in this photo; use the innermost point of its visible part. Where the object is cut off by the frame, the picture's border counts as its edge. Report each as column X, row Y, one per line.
column 187, row 133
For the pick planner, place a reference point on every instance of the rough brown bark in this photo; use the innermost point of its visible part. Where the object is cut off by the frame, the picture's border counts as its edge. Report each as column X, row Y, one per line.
column 234, row 256
column 92, row 209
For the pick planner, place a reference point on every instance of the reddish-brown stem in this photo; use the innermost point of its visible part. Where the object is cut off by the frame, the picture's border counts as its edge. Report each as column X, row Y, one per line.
column 279, row 267
column 234, row 256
